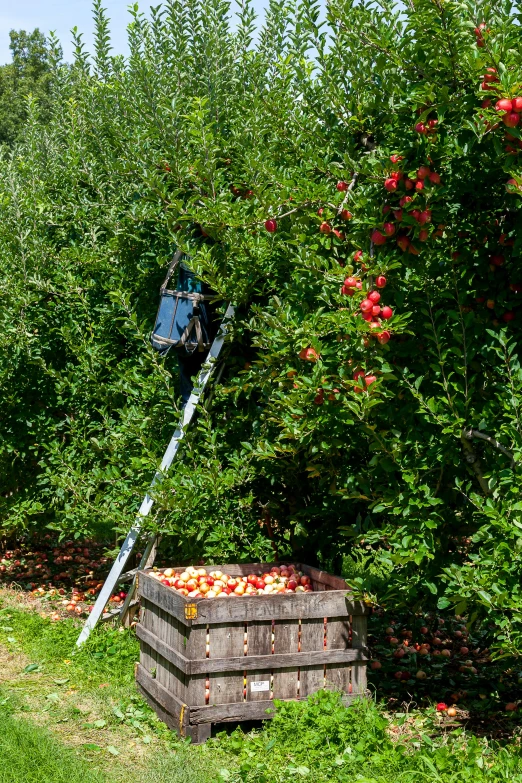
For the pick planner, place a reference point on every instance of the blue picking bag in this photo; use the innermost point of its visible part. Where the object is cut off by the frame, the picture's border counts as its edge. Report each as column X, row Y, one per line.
column 185, row 318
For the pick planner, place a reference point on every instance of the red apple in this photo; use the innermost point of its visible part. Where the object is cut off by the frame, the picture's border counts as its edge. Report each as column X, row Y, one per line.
column 342, row 186
column 309, row 354
column 325, row 228
column 380, row 281
column 377, row 238
column 271, row 226
column 384, row 337
column 375, row 665
column 374, row 296
column 441, row 707
column 386, row 312
column 391, row 185
column 346, row 214
column 434, row 178
column 421, row 128
column 517, row 104
column 504, row 104
column 366, row 305
column 511, row 119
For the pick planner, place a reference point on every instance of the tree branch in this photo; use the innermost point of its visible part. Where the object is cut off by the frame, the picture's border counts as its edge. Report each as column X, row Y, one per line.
column 470, row 434
column 473, row 462
column 347, row 196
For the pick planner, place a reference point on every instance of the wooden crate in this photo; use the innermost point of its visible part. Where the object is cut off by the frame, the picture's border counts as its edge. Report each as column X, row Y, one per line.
column 249, row 650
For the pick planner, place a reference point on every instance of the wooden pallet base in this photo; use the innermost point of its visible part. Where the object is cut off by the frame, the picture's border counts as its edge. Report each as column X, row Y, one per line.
column 196, row 722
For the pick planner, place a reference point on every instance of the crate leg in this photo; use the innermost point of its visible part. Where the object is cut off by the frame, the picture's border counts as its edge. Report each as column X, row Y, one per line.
column 199, row 732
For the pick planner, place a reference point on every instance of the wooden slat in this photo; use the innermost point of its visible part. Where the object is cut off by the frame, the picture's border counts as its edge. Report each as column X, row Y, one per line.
column 159, row 629
column 359, row 642
column 160, row 711
column 176, row 658
column 161, row 695
column 333, row 582
column 222, row 713
column 286, row 648
column 285, row 606
column 174, row 635
column 146, row 653
column 251, row 662
column 312, row 640
column 226, row 640
column 330, row 603
column 259, row 640
column 195, row 651
column 163, row 596
column 338, row 638
column 239, row 711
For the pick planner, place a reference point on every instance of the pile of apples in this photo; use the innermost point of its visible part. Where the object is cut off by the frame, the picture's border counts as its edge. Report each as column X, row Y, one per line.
column 66, row 576
column 198, row 583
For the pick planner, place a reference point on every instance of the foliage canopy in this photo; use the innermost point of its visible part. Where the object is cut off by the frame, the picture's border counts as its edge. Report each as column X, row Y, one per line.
column 210, row 124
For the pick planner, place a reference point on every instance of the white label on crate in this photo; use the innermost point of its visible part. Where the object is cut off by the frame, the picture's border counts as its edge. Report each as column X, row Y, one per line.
column 262, row 685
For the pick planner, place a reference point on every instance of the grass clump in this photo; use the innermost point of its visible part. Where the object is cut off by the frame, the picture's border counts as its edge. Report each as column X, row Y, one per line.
column 323, row 740
column 29, row 754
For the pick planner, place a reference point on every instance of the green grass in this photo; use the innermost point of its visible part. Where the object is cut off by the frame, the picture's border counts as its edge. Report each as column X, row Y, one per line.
column 29, row 754
column 91, row 713
column 323, row 741
column 71, row 717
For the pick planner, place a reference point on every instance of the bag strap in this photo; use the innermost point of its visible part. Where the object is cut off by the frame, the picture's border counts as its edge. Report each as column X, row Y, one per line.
column 172, row 267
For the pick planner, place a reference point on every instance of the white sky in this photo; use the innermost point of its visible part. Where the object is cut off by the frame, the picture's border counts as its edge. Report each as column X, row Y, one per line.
column 62, row 15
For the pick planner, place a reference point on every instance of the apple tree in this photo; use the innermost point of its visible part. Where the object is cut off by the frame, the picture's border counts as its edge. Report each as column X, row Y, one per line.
column 356, row 173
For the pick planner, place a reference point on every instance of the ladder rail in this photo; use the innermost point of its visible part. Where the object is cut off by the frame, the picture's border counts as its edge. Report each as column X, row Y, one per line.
column 168, row 458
